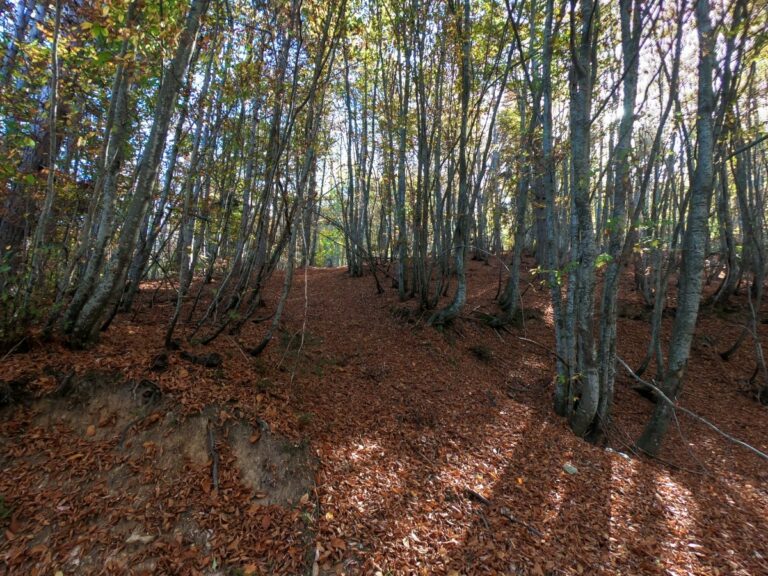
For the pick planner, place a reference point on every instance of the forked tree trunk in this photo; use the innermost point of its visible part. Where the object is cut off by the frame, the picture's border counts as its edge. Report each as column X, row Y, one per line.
column 86, row 325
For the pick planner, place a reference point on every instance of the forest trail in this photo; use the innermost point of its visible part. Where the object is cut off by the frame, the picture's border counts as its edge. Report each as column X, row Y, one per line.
column 431, row 452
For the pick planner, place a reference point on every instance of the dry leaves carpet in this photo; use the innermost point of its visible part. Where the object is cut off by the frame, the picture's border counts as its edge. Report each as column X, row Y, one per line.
column 363, row 441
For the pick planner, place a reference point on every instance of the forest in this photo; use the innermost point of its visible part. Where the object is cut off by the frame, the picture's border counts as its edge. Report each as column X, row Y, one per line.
column 383, row 287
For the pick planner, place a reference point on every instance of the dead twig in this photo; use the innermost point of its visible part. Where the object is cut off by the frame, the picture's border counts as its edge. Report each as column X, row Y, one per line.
column 240, row 348
column 547, row 348
column 476, row 496
column 484, row 520
column 13, row 348
column 508, row 515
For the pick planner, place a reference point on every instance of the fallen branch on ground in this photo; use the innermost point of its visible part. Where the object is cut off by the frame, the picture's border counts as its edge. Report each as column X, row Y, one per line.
column 476, row 496
column 508, row 515
column 692, row 414
column 548, row 349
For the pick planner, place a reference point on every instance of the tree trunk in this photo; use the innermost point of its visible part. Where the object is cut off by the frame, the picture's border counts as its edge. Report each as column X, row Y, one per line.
column 586, row 383
column 88, row 320
column 689, row 289
column 462, row 209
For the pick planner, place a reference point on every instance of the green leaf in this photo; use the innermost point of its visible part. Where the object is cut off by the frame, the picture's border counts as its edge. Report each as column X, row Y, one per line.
column 602, row 260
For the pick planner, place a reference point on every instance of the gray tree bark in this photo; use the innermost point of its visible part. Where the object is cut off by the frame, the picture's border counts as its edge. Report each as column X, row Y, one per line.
column 585, row 379
column 689, row 290
column 87, row 323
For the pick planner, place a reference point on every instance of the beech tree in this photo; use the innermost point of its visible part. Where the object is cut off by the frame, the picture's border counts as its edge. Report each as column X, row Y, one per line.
column 208, row 145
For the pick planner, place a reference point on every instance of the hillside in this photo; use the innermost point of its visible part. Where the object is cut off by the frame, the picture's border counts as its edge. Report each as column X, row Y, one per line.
column 363, row 441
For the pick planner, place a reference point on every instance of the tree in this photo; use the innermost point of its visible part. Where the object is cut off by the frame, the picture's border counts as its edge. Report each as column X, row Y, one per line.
column 689, row 289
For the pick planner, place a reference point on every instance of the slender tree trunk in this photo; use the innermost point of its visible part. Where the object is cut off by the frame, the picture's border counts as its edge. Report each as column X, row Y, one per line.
column 461, row 230
column 631, row 29
column 111, row 283
column 42, row 221
column 402, row 238
column 689, row 289
column 586, row 383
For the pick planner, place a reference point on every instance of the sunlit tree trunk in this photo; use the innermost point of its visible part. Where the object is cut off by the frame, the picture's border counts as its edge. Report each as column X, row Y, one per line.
column 689, row 289
column 631, row 29
column 110, row 285
column 582, row 74
column 461, row 229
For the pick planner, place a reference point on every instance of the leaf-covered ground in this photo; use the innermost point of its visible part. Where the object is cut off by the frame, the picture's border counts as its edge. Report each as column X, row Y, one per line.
column 430, row 452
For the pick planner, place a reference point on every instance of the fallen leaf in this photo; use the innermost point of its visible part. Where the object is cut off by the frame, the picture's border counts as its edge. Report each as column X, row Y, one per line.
column 16, row 526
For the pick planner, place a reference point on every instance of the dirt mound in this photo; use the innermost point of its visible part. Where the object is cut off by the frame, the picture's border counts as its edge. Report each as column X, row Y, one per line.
column 135, row 477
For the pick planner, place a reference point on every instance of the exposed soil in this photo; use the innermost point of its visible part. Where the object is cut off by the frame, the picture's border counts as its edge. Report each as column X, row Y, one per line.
column 363, row 441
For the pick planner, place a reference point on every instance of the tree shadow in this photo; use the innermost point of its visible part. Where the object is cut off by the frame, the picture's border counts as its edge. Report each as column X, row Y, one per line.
column 710, row 493
column 541, row 519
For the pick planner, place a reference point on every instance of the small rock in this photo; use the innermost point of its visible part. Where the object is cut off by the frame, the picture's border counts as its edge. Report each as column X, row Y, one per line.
column 138, row 538
column 619, row 453
column 570, row 468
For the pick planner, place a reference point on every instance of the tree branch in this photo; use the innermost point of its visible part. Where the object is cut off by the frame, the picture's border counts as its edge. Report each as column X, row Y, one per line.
column 675, row 406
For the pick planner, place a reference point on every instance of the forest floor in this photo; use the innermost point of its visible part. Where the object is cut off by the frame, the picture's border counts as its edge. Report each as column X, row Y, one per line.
column 363, row 441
